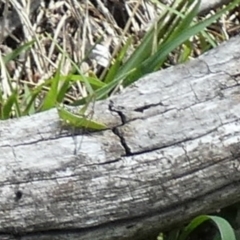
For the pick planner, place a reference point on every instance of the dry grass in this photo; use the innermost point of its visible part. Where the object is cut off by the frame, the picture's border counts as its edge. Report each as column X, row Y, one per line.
column 77, row 26
column 89, row 31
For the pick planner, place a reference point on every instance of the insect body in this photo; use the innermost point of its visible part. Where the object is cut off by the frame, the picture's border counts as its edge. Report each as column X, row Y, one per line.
column 78, row 120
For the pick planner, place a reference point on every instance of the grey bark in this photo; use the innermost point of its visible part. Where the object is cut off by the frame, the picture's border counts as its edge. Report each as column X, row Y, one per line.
column 206, row 5
column 171, row 152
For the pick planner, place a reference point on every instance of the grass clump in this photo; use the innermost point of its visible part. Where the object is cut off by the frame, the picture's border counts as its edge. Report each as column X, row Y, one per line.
column 65, row 58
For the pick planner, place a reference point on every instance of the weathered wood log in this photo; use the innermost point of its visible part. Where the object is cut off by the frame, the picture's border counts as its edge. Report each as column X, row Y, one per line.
column 171, row 152
column 206, row 5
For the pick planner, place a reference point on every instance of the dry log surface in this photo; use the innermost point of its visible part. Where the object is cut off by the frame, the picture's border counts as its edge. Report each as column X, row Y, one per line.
column 171, row 152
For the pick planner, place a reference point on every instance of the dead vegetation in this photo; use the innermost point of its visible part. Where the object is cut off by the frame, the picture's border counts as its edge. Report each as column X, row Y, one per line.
column 89, row 31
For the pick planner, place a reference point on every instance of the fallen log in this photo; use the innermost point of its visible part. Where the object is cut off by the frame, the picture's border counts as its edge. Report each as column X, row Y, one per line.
column 171, row 152
column 206, row 5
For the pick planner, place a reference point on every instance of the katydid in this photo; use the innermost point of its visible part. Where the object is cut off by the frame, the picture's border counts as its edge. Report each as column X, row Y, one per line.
column 79, row 120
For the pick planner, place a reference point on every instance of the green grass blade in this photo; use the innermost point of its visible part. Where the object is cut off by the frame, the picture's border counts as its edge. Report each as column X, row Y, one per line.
column 153, row 62
column 164, row 30
column 186, row 52
column 14, row 54
column 63, row 88
column 10, row 104
column 76, row 67
column 115, row 67
column 144, row 50
column 89, row 99
column 28, row 101
column 94, row 81
column 51, row 98
column 103, row 92
column 186, row 21
column 206, row 38
column 225, row 229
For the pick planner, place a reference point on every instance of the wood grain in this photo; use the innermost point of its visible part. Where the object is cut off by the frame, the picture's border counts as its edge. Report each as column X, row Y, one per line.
column 171, row 152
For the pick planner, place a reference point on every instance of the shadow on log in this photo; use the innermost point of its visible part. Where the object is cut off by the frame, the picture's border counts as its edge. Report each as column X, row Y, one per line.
column 171, row 152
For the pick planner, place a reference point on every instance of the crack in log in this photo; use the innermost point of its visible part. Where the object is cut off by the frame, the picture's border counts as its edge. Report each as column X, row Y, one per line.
column 120, row 113
column 142, row 109
column 116, row 131
column 108, row 162
column 123, row 142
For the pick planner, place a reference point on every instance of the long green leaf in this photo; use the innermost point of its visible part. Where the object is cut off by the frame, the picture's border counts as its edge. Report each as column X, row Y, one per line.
column 116, row 66
column 224, row 228
column 14, row 54
column 10, row 104
column 164, row 28
column 28, row 101
column 76, row 67
column 94, row 81
column 51, row 98
column 153, row 62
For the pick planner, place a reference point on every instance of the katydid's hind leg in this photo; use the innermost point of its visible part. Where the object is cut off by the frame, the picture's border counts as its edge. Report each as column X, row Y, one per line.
column 78, row 145
column 75, row 134
column 74, row 137
column 84, row 130
column 61, row 128
column 71, row 131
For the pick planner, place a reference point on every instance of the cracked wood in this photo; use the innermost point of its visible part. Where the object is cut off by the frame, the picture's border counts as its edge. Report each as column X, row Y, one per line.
column 171, row 152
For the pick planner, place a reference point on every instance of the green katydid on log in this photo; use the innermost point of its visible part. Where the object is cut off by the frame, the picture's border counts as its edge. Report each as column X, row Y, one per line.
column 79, row 119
